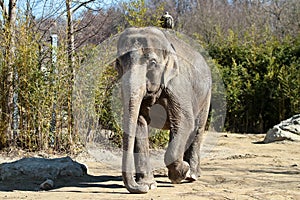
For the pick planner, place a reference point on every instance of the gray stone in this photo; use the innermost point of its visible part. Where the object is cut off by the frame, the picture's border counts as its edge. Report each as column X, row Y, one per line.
column 287, row 130
column 47, row 185
column 41, row 169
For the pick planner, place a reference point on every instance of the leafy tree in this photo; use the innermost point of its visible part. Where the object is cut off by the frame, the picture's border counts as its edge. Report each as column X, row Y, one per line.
column 137, row 14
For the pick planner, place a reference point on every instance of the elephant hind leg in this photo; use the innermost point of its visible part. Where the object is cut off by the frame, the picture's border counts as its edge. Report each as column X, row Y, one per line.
column 192, row 154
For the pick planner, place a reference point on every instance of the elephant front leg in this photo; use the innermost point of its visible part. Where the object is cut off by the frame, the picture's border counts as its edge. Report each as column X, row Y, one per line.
column 144, row 174
column 180, row 139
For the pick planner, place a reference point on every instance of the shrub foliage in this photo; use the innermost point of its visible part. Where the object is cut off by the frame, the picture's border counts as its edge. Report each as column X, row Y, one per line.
column 261, row 79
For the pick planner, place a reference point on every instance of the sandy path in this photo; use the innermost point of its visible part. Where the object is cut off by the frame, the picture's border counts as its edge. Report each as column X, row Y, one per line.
column 237, row 168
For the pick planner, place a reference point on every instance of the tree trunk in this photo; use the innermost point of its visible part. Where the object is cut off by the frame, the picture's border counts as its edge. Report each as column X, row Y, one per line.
column 8, row 74
column 71, row 63
column 14, row 96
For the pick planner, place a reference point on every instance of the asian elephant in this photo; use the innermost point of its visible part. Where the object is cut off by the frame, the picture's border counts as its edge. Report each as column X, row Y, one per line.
column 165, row 84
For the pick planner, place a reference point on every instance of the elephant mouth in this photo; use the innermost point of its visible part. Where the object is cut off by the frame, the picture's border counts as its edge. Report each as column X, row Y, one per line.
column 151, row 96
column 153, row 92
column 150, row 93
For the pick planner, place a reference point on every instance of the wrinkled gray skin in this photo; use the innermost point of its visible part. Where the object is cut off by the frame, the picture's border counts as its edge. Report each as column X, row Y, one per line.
column 158, row 69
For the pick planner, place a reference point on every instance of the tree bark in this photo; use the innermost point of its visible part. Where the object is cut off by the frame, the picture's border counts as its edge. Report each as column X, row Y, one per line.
column 14, row 98
column 71, row 63
column 8, row 72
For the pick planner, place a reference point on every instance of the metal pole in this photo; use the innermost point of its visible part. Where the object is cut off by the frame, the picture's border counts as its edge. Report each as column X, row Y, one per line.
column 54, row 44
column 16, row 115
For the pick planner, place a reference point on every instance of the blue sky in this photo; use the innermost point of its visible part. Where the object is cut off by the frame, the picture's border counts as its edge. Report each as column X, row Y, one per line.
column 55, row 8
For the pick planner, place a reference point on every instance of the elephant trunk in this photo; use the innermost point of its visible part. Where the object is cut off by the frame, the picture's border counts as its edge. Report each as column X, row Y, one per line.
column 133, row 90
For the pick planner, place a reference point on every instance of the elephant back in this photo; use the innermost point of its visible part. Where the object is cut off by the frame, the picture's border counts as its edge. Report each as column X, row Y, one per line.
column 186, row 49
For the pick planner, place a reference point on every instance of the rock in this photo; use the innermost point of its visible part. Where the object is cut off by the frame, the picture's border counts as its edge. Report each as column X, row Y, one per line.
column 41, row 169
column 47, row 185
column 287, row 130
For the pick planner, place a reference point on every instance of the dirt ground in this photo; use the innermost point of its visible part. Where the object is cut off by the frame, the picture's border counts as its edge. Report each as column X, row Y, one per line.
column 238, row 167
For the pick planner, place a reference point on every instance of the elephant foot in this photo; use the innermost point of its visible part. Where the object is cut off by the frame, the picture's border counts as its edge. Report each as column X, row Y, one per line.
column 191, row 177
column 178, row 171
column 149, row 181
column 151, row 184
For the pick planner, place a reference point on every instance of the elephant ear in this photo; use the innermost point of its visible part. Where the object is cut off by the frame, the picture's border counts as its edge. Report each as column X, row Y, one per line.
column 118, row 68
column 171, row 68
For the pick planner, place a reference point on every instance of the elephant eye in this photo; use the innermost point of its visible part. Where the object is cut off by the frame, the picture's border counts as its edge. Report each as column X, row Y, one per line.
column 152, row 62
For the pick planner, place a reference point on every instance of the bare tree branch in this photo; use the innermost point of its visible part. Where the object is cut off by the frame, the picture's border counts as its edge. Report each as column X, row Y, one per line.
column 3, row 8
column 94, row 34
column 81, row 5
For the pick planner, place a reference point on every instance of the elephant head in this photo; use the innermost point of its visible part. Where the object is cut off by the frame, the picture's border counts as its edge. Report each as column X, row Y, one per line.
column 146, row 63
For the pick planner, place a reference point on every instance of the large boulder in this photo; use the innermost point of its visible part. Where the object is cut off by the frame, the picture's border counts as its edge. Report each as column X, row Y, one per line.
column 41, row 169
column 287, row 130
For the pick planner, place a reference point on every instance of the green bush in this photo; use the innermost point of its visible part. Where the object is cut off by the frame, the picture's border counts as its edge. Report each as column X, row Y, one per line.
column 261, row 80
column 41, row 92
column 107, row 113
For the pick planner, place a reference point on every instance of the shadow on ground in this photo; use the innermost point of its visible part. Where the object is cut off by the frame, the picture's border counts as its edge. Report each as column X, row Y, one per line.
column 86, row 181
